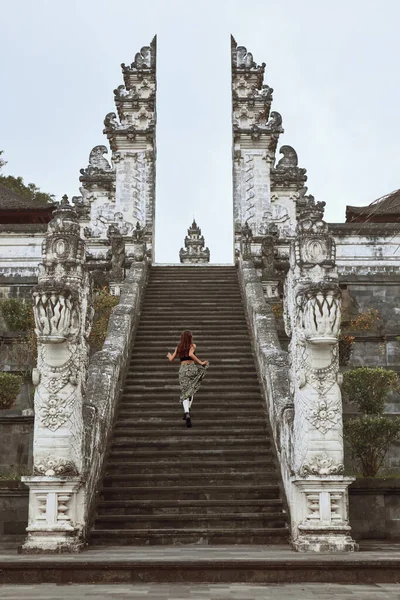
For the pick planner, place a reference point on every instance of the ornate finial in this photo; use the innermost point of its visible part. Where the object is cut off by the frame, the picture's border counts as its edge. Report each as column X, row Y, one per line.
column 289, row 158
column 243, row 59
column 64, row 201
column 97, row 160
column 145, row 59
column 194, row 251
column 275, row 122
column 312, row 210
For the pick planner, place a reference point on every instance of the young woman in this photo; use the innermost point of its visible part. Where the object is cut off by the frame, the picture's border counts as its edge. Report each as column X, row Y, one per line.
column 191, row 371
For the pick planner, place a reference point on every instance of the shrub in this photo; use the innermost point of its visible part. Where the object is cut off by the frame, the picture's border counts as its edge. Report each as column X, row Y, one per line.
column 370, row 437
column 104, row 302
column 368, row 388
column 17, row 314
column 371, row 434
column 366, row 320
column 9, row 389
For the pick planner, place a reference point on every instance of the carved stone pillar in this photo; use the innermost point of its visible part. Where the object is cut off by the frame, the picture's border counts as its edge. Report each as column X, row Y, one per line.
column 117, row 273
column 255, row 135
column 269, row 275
column 319, row 506
column 63, row 314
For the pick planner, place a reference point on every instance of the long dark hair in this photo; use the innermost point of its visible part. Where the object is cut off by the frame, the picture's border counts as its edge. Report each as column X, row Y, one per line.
column 184, row 344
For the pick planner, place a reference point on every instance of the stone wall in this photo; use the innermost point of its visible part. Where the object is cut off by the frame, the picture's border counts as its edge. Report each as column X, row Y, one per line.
column 13, row 510
column 16, row 441
column 375, row 508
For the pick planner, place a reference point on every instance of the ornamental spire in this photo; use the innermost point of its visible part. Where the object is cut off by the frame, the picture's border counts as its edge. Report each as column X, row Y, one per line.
column 194, row 252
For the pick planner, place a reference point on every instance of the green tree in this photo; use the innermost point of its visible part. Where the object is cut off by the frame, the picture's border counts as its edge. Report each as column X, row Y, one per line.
column 17, row 185
column 370, row 434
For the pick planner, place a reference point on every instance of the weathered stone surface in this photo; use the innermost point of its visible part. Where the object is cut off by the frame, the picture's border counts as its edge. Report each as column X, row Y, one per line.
column 105, row 376
column 63, row 316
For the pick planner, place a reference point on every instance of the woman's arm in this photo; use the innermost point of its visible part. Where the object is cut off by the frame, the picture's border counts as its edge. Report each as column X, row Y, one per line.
column 194, row 357
column 171, row 357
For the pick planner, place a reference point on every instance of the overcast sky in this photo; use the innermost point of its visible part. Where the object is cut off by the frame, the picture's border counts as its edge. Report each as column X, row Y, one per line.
column 334, row 67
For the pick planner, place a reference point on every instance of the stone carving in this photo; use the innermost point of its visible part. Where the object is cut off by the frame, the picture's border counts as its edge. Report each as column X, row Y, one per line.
column 322, row 465
column 268, row 253
column 137, row 245
column 50, row 467
column 245, row 242
column 275, row 123
column 131, row 134
column 63, row 310
column 97, row 160
column 111, row 121
column 312, row 314
column 105, row 216
column 117, row 273
column 255, row 135
column 242, row 59
column 54, row 411
column 249, row 182
column 194, row 252
column 289, row 158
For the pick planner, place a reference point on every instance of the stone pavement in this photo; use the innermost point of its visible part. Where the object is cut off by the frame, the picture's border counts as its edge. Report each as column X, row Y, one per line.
column 202, row 592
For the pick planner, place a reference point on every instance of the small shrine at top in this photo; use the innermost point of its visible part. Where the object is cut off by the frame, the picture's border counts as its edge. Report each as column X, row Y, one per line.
column 194, row 251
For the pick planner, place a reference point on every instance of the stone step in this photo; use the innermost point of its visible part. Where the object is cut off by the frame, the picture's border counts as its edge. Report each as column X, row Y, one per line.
column 225, row 455
column 164, row 412
column 164, row 370
column 178, row 507
column 212, row 313
column 212, row 320
column 154, row 480
column 189, row 536
column 159, row 378
column 215, row 389
column 232, row 521
column 124, row 430
column 170, row 423
column 181, row 569
column 193, row 492
column 189, row 442
column 187, row 466
column 233, row 337
column 203, row 400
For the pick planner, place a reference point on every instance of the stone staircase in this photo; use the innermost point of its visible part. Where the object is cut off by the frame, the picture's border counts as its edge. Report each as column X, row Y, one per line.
column 216, row 483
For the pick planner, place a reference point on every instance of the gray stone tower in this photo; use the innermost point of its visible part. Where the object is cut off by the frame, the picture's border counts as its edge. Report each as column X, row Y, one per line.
column 194, row 251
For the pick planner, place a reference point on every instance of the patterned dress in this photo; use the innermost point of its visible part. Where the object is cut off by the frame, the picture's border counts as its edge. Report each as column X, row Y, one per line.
column 190, row 378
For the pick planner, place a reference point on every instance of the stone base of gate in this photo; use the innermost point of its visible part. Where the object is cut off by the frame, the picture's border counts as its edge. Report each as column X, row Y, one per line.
column 55, row 515
column 320, row 519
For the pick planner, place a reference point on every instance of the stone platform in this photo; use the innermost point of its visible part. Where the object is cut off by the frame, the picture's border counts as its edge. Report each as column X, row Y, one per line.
column 375, row 563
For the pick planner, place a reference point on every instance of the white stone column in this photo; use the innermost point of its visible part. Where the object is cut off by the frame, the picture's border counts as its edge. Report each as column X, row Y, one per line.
column 318, row 495
column 63, row 315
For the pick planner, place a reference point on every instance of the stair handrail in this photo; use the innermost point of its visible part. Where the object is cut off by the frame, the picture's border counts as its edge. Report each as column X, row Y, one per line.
column 106, row 373
column 272, row 365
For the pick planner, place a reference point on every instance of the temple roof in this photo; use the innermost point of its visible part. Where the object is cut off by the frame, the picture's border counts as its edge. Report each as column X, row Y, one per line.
column 18, row 209
column 10, row 200
column 382, row 210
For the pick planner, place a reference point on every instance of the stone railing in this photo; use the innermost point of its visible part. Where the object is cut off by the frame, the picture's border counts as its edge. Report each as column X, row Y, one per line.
column 272, row 365
column 106, row 373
